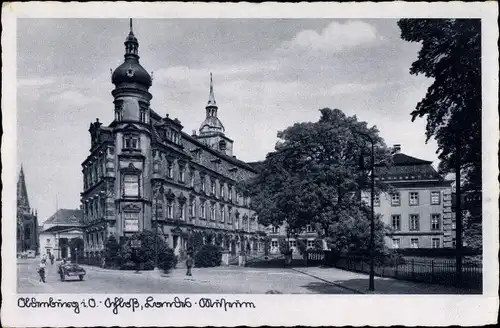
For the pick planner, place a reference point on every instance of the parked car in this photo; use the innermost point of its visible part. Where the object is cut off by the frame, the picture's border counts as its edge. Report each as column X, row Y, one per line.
column 71, row 270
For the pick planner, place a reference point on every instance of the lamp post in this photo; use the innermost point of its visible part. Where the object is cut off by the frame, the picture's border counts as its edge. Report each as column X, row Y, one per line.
column 372, row 218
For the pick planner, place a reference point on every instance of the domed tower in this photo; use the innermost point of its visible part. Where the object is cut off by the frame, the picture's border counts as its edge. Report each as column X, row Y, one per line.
column 212, row 130
column 132, row 138
column 132, row 83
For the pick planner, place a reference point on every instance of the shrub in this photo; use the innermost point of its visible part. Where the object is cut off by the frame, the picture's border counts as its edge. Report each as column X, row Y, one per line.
column 167, row 259
column 112, row 252
column 302, row 246
column 284, row 246
column 318, row 244
column 208, row 256
column 194, row 242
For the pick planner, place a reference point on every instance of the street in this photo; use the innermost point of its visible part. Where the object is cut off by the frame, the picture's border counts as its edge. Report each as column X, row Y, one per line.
column 230, row 280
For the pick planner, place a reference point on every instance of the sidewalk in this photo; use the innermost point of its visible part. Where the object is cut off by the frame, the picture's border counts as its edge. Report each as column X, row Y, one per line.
column 359, row 282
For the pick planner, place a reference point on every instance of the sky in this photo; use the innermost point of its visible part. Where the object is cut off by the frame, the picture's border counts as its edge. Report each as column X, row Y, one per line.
column 268, row 74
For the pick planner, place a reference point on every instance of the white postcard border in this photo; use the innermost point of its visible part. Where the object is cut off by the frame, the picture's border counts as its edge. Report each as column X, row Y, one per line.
column 270, row 309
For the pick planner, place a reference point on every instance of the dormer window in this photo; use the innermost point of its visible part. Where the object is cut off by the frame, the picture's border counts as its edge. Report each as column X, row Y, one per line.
column 131, row 142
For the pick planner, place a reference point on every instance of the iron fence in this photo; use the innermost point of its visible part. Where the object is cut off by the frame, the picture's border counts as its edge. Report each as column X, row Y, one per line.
column 434, row 271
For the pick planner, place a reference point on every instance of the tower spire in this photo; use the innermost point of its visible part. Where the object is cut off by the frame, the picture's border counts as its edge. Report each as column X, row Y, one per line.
column 212, row 104
column 131, row 44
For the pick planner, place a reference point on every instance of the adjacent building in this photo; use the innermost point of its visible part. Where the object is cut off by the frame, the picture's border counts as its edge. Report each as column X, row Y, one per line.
column 27, row 219
column 59, row 232
column 418, row 208
column 143, row 172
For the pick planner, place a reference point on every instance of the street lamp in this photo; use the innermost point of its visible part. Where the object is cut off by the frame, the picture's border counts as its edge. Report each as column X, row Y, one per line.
column 372, row 218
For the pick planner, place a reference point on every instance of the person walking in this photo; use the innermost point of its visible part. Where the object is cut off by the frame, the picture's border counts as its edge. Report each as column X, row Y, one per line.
column 189, row 265
column 51, row 259
column 41, row 270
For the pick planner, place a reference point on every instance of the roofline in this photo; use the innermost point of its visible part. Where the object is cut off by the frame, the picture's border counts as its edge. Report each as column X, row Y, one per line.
column 216, row 153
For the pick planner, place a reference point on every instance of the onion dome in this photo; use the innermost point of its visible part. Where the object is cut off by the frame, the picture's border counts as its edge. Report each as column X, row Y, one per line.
column 131, row 72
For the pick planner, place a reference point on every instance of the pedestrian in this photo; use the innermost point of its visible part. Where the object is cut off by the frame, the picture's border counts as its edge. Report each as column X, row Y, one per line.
column 41, row 270
column 189, row 265
column 51, row 259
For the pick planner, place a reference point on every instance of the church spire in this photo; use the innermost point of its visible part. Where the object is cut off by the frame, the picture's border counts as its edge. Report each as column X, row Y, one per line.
column 22, row 193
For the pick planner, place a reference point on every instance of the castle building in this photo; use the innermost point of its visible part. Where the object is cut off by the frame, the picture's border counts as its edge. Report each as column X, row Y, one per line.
column 419, row 208
column 144, row 172
column 27, row 219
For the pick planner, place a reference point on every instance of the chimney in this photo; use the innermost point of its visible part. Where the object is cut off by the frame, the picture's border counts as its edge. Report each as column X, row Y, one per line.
column 396, row 149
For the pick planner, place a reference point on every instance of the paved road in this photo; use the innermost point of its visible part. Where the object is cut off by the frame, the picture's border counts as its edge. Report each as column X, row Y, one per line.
column 205, row 280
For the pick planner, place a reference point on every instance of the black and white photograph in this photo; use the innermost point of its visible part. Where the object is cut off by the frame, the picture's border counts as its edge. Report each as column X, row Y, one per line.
column 164, row 160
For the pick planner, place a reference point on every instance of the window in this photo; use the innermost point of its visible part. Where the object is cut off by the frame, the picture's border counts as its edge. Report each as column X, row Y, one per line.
column 435, row 222
column 395, row 199
column 436, row 243
column 131, row 221
column 435, row 197
column 212, row 212
column 237, row 197
column 309, row 228
column 131, row 142
column 222, row 190
column 453, row 224
column 414, row 222
column 414, row 243
column 396, row 242
column 274, row 244
column 170, row 209
column 222, row 214
column 191, row 207
column 191, row 179
column 413, row 198
column 396, row 222
column 182, row 210
column 213, row 186
column 131, row 185
column 292, row 243
column 275, row 229
column 181, row 174
column 229, row 216
column 170, row 170
column 376, row 200
column 454, row 243
column 143, row 116
column 230, row 192
column 310, row 243
column 202, row 178
column 203, row 212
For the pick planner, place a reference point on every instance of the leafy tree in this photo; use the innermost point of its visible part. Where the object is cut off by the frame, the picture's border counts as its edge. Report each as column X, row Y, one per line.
column 451, row 56
column 313, row 177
